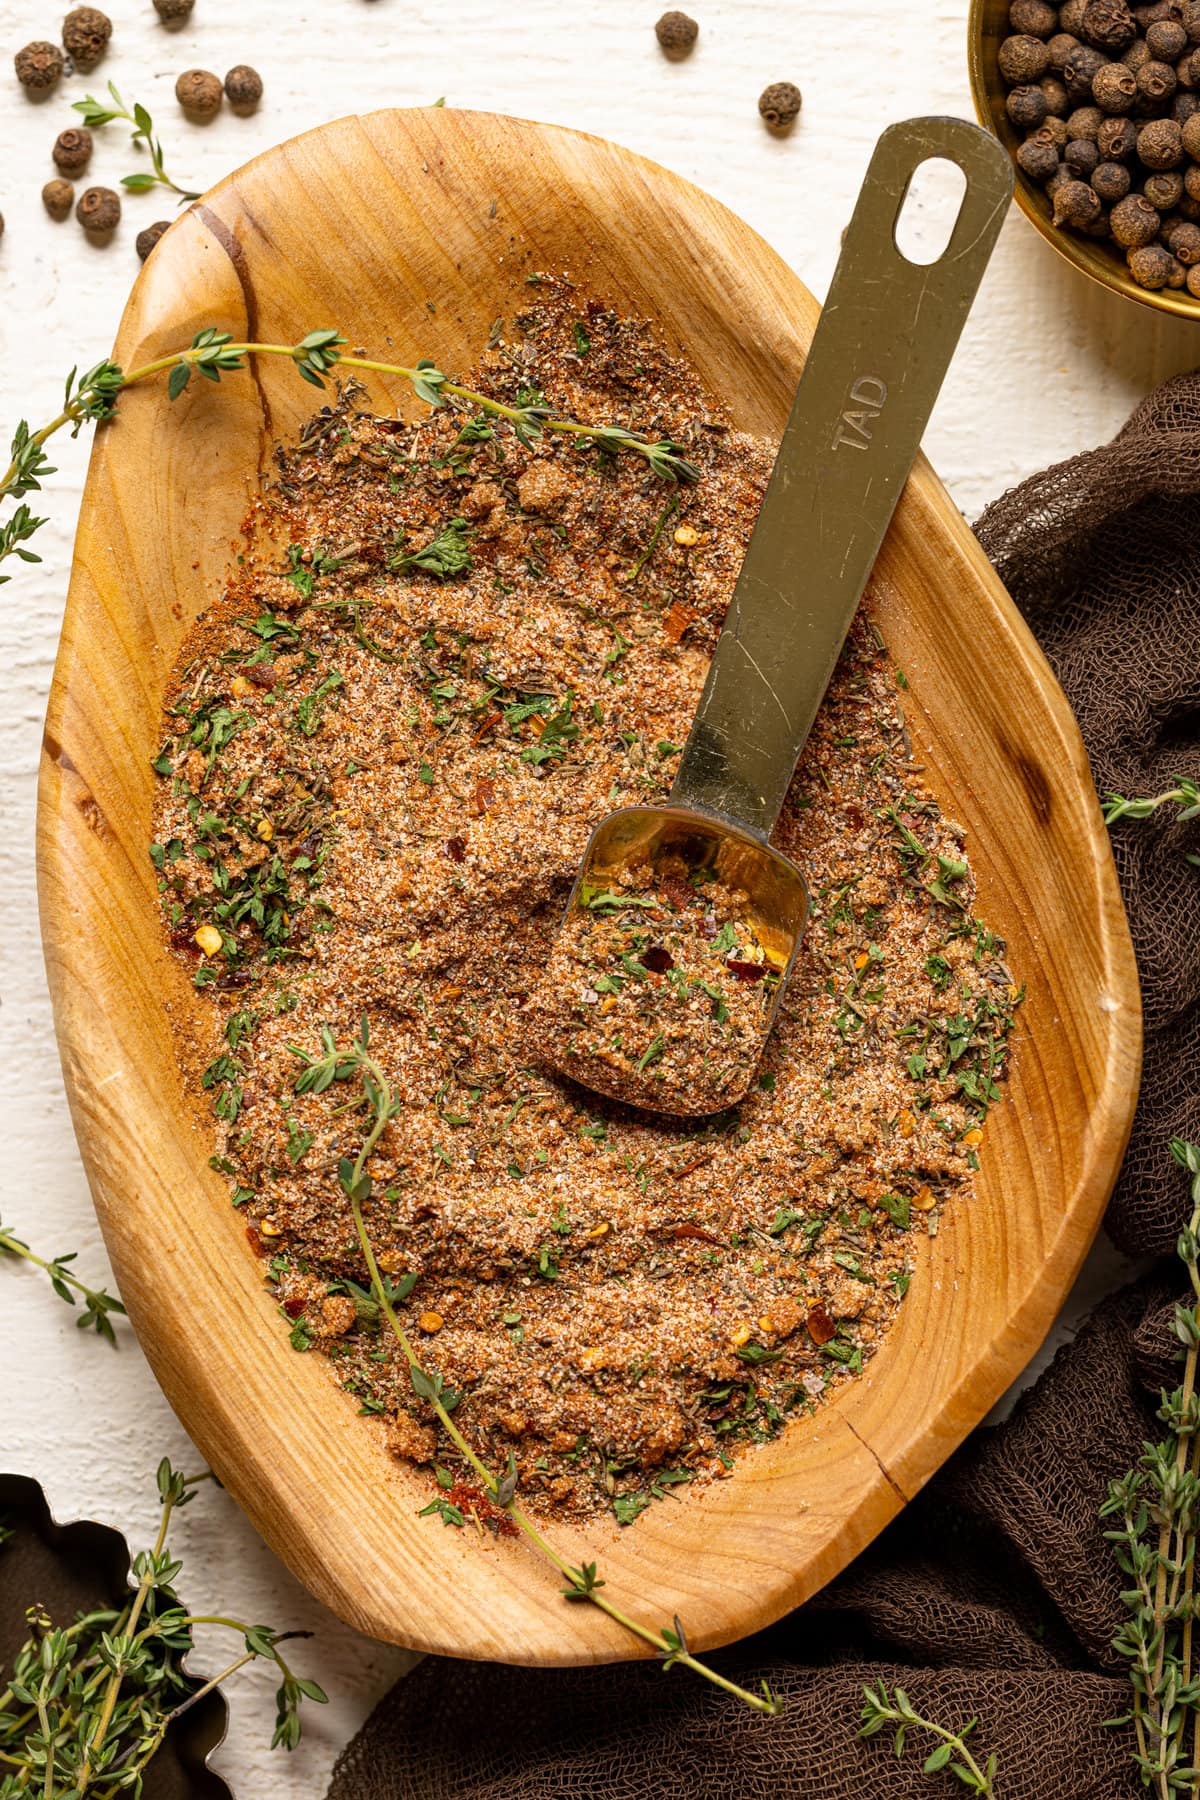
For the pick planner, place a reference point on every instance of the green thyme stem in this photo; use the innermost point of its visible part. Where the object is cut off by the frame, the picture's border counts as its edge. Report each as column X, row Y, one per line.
column 94, row 396
column 98, row 1302
column 880, row 1709
column 669, row 1645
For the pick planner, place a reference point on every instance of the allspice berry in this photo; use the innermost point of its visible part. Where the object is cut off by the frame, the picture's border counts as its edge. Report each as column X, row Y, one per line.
column 1071, row 15
column 1038, row 158
column 1085, row 122
column 1153, row 266
column 1137, row 55
column 244, row 87
column 1112, row 181
column 780, row 103
column 1117, row 139
column 1059, row 49
column 1055, row 132
column 1184, row 243
column 99, row 211
column 1057, row 99
column 1026, row 107
column 1080, row 71
column 72, row 150
column 38, row 65
column 1164, row 190
column 1114, row 88
column 676, row 35
column 1023, row 58
column 1167, row 40
column 1190, row 136
column 1036, row 17
column 1134, row 221
column 146, row 240
column 199, row 93
column 1109, row 25
column 1156, row 83
column 1075, row 203
column 1081, row 157
column 85, row 35
column 1160, row 144
column 58, row 197
column 174, row 12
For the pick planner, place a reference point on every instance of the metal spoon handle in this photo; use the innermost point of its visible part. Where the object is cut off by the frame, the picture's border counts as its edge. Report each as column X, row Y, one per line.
column 881, row 350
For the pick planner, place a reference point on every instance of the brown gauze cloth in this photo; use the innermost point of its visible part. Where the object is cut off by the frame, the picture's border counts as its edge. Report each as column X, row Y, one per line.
column 994, row 1595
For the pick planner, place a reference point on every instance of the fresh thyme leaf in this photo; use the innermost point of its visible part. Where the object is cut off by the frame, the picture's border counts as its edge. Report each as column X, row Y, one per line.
column 445, row 556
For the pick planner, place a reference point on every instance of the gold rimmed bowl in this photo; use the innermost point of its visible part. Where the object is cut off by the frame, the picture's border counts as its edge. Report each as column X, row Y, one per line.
column 1098, row 258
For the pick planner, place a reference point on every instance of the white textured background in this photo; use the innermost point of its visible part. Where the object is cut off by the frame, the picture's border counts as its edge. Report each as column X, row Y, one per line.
column 1048, row 365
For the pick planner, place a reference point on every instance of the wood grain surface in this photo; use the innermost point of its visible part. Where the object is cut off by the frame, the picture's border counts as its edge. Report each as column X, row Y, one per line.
column 412, row 231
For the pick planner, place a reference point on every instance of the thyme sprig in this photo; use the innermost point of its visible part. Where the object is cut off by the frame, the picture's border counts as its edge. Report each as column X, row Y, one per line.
column 355, row 1061
column 98, row 1303
column 212, row 353
column 96, row 113
column 880, row 1709
column 1156, row 1507
column 1185, row 794
column 88, row 1705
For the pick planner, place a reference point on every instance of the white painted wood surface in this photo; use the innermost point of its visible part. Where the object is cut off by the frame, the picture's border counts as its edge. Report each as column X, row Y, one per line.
column 1048, row 365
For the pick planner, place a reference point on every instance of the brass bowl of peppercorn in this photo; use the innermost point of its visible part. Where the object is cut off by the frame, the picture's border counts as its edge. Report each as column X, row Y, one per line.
column 1098, row 102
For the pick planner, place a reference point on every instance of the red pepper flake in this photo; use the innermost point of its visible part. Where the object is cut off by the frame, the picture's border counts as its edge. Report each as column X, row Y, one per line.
column 293, row 1306
column 677, row 892
column 676, row 620
column 689, row 1168
column 658, row 959
column 470, row 1499
column 688, row 1230
column 821, row 1327
column 483, row 796
column 745, row 971
column 255, row 1241
column 456, row 849
column 490, row 722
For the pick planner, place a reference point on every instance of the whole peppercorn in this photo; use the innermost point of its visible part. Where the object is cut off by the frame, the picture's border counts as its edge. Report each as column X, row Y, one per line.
column 1075, row 203
column 1151, row 265
column 1134, row 221
column 1056, row 96
column 1167, row 40
column 1037, row 158
column 1156, row 83
column 85, row 35
column 676, row 34
column 1193, row 280
column 174, row 12
column 146, row 240
column 1187, row 70
column 1026, row 107
column 1023, row 58
column 1146, row 16
column 1137, row 55
column 780, row 103
column 1160, row 144
column 1191, row 181
column 1112, row 181
column 1081, row 157
column 1080, row 72
column 1189, row 135
column 1114, row 88
column 1164, row 190
column 1183, row 106
column 199, row 93
column 1055, row 132
column 1189, row 208
column 38, row 65
column 1184, row 243
column 99, row 210
column 244, row 88
column 1070, row 16
column 1191, row 20
column 1059, row 50
column 1085, row 122
column 58, row 197
column 1117, row 139
column 1035, row 17
column 1108, row 24
column 72, row 150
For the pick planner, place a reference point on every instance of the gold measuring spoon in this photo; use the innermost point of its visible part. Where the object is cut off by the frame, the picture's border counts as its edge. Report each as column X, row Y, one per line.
column 881, row 350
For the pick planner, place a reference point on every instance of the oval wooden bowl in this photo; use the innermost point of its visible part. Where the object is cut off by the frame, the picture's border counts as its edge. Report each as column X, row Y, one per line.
column 1099, row 258
column 412, row 231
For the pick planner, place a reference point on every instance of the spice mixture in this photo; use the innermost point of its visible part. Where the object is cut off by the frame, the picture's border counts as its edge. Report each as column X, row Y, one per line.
column 657, row 991
column 448, row 650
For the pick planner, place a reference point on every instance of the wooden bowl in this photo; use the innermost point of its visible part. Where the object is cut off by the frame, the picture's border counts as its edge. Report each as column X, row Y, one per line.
column 412, row 231
column 1100, row 258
